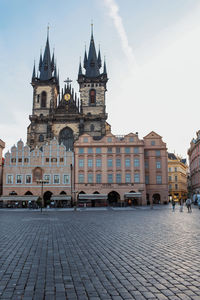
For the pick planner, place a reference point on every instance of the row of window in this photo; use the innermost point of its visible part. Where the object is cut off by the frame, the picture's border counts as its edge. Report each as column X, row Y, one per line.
column 170, row 169
column 175, row 178
column 176, row 186
column 28, row 179
column 117, row 150
column 118, row 178
column 158, row 164
column 110, row 163
column 26, row 160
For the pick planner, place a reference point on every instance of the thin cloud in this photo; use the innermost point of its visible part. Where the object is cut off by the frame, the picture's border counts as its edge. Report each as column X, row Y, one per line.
column 118, row 23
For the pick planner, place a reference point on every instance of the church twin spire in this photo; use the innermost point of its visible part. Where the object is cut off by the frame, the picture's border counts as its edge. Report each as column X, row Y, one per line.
column 47, row 67
column 92, row 63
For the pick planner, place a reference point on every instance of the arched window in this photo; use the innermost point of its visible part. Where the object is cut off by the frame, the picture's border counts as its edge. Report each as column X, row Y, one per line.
column 43, row 99
column 92, row 97
column 41, row 138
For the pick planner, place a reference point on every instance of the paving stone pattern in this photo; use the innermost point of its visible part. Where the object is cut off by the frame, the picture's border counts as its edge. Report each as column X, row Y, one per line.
column 140, row 254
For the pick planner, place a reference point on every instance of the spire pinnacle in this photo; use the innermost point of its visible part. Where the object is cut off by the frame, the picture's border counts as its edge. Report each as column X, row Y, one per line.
column 80, row 68
column 33, row 75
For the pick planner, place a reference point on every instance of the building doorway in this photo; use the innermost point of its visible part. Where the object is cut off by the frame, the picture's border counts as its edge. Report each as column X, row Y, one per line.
column 113, row 198
column 47, row 198
column 156, row 198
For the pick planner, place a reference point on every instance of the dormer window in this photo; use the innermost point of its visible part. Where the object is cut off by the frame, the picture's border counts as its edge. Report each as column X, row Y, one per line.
column 43, row 99
column 92, row 97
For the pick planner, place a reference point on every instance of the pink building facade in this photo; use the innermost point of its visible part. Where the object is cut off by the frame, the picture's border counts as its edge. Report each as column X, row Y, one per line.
column 126, row 169
column 2, row 146
column 23, row 169
column 194, row 164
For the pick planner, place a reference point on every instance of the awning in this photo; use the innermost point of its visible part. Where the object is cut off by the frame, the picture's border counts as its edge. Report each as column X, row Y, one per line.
column 17, row 198
column 60, row 198
column 93, row 196
column 132, row 195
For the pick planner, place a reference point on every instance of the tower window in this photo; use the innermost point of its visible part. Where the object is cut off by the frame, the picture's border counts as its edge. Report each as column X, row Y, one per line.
column 43, row 99
column 92, row 97
column 41, row 138
column 38, row 98
column 91, row 127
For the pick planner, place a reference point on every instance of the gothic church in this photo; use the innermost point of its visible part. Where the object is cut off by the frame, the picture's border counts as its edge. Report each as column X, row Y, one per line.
column 63, row 115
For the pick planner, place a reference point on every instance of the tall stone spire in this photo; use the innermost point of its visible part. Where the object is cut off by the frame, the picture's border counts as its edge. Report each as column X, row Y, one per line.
column 92, row 68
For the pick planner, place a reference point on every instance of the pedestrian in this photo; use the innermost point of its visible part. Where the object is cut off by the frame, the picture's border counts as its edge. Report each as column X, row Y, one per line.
column 188, row 204
column 181, row 205
column 173, row 205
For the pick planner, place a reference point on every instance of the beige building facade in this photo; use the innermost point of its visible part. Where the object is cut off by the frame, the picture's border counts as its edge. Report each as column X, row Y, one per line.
column 177, row 173
column 125, row 170
column 24, row 170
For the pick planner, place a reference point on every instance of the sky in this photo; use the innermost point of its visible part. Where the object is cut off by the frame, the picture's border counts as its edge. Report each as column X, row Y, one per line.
column 152, row 51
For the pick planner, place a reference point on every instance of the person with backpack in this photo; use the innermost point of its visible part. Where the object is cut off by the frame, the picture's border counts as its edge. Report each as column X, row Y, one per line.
column 189, row 204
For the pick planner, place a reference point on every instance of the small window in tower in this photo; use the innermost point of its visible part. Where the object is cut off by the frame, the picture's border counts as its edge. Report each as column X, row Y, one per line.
column 92, row 85
column 38, row 98
column 41, row 138
column 43, row 99
column 92, row 97
column 91, row 127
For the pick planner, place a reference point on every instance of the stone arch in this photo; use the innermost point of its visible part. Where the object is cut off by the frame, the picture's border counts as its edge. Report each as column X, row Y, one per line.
column 156, row 198
column 113, row 198
column 63, row 193
column 47, row 198
column 66, row 137
column 28, row 193
column 96, row 192
column 13, row 193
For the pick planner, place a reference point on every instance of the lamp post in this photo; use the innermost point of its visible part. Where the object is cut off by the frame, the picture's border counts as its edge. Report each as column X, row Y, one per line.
column 42, row 182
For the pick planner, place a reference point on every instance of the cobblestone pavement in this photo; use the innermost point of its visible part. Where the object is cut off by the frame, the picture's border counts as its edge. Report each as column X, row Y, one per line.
column 138, row 254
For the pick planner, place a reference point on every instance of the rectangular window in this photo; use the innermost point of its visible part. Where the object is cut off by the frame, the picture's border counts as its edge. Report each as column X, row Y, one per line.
column 110, row 162
column 109, row 139
column 157, row 152
column 176, row 178
column 90, row 178
column 90, row 163
column 98, row 178
column 128, row 177
column 153, row 143
column 147, row 179
column 170, row 186
column 19, row 159
column 90, row 150
column 56, row 179
column 54, row 159
column 136, row 150
column 170, row 178
column 110, row 178
column 9, row 179
column 98, row 162
column 81, row 150
column 81, row 178
column 109, row 150
column 176, row 186
column 146, row 153
column 81, row 163
column 28, row 179
column 98, row 150
column 66, row 179
column 159, row 179
column 146, row 164
column 158, row 165
column 136, row 177
column 13, row 160
column 175, row 169
column 127, row 162
column 85, row 139
column 169, row 169
column 118, row 162
column 131, row 139
column 118, row 178
column 136, row 162
column 127, row 150
column 47, row 178
column 47, row 159
column 62, row 159
column 19, row 179
column 26, row 160
column 118, row 150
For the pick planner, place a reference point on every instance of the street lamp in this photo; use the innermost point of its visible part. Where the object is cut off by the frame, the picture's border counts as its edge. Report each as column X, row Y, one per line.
column 42, row 182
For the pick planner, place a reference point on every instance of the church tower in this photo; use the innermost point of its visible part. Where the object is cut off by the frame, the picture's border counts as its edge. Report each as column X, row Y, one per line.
column 45, row 93
column 92, row 87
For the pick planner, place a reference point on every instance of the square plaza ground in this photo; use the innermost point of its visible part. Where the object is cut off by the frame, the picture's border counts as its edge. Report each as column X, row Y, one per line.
column 136, row 254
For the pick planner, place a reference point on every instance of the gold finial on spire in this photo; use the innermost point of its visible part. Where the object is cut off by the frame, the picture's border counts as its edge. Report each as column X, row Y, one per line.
column 92, row 27
column 48, row 30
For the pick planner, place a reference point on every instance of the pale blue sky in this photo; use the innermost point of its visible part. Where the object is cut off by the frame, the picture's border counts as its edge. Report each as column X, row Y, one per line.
column 164, row 38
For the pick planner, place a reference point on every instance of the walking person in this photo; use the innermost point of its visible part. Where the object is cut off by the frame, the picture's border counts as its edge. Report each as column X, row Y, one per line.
column 173, row 205
column 189, row 204
column 181, row 205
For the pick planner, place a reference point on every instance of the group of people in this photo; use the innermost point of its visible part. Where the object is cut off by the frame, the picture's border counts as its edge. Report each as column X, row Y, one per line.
column 188, row 204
